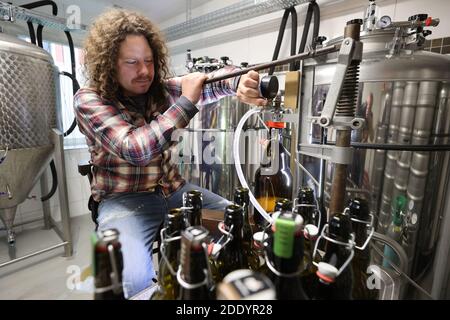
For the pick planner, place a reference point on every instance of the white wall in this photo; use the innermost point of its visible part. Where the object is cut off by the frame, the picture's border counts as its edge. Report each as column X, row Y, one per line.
column 254, row 40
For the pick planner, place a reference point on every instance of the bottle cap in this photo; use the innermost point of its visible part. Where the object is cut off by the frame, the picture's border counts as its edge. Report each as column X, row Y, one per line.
column 326, row 272
column 311, row 231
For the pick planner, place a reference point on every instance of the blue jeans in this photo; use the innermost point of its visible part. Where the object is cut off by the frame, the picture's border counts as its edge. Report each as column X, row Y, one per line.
column 138, row 217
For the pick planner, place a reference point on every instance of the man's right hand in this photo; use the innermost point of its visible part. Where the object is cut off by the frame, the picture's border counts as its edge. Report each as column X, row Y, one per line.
column 192, row 84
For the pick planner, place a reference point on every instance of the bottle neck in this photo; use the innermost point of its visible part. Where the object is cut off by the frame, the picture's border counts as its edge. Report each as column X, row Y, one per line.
column 194, row 217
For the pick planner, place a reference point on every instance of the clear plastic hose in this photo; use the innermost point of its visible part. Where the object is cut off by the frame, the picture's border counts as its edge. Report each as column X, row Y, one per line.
column 237, row 162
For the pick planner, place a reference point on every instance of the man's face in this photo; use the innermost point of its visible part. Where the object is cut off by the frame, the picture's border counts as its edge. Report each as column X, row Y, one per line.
column 135, row 65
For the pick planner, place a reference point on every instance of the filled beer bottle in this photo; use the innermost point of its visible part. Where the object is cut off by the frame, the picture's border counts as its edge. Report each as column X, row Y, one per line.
column 193, row 202
column 395, row 230
column 359, row 213
column 107, row 265
column 241, row 198
column 194, row 276
column 245, row 284
column 234, row 253
column 259, row 238
column 168, row 288
column 273, row 179
column 306, row 208
column 329, row 284
column 285, row 256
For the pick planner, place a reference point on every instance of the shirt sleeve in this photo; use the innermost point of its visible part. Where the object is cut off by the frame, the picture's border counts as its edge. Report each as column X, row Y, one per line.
column 104, row 125
column 211, row 92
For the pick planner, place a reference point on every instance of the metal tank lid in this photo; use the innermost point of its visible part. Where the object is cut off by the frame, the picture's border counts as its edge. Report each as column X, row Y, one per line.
column 15, row 45
column 408, row 65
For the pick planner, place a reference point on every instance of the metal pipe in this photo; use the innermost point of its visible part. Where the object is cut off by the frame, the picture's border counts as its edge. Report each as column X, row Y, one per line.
column 33, row 254
column 297, row 57
column 346, row 106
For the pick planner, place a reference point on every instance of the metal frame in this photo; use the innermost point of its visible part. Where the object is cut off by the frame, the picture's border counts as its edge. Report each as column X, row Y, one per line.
column 64, row 232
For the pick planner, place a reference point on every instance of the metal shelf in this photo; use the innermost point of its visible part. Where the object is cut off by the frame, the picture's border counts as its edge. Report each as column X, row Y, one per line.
column 237, row 12
column 9, row 12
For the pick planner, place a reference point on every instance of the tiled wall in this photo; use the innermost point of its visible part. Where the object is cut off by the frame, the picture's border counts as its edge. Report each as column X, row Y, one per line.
column 441, row 45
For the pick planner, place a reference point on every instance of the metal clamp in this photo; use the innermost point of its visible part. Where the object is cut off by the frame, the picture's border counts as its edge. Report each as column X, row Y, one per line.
column 351, row 50
column 348, row 245
column 341, row 155
column 162, row 248
column 369, row 225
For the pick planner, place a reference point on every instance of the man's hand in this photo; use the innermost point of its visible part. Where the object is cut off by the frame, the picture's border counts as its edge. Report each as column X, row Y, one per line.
column 248, row 89
column 191, row 85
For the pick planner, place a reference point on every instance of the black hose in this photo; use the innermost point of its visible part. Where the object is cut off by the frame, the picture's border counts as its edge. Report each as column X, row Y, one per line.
column 279, row 38
column 316, row 25
column 31, row 32
column 305, row 32
column 76, row 87
column 401, row 147
column 294, row 25
column 39, row 35
column 37, row 4
column 54, row 182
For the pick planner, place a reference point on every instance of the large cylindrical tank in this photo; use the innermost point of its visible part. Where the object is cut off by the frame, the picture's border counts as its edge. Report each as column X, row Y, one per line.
column 29, row 100
column 404, row 98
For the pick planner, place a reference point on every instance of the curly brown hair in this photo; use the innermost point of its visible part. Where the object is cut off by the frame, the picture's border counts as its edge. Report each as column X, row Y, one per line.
column 102, row 49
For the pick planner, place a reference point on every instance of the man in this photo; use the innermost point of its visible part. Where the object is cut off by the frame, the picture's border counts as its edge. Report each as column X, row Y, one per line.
column 128, row 114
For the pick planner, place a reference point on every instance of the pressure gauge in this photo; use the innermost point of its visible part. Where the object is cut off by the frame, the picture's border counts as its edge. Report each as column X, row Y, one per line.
column 384, row 22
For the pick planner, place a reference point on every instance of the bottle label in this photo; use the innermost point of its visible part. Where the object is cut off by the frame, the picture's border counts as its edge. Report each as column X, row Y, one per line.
column 284, row 238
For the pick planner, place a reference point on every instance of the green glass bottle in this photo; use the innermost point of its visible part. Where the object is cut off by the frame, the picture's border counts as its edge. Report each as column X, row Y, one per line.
column 234, row 253
column 286, row 256
column 395, row 230
column 193, row 200
column 194, row 276
column 107, row 265
column 330, row 285
column 168, row 288
column 359, row 213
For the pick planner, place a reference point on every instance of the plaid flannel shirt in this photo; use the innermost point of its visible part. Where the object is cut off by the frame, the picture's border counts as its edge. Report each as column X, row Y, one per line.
column 131, row 152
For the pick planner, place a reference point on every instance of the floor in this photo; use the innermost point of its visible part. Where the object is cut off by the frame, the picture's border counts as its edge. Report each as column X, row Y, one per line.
column 49, row 275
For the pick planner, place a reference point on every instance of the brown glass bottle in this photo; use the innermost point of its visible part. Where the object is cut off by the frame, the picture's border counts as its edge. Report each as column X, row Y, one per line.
column 273, row 179
column 194, row 273
column 329, row 285
column 108, row 265
column 234, row 254
column 193, row 200
column 359, row 210
column 168, row 288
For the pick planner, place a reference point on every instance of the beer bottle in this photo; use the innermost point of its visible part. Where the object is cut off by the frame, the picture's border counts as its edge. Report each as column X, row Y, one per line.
column 234, row 253
column 359, row 213
column 241, row 198
column 273, row 179
column 330, row 285
column 259, row 238
column 108, row 265
column 168, row 288
column 193, row 203
column 285, row 256
column 245, row 284
column 395, row 230
column 194, row 276
column 306, row 208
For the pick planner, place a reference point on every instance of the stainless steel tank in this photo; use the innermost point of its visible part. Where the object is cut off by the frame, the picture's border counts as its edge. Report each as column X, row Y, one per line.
column 29, row 96
column 404, row 96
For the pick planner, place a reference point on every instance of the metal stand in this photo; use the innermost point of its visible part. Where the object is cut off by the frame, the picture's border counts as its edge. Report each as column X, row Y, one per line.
column 49, row 223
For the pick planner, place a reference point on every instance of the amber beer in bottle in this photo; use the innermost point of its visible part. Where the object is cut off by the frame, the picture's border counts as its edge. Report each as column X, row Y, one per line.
column 108, row 265
column 330, row 285
column 235, row 253
column 194, row 276
column 168, row 288
column 286, row 255
column 193, row 201
column 273, row 179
